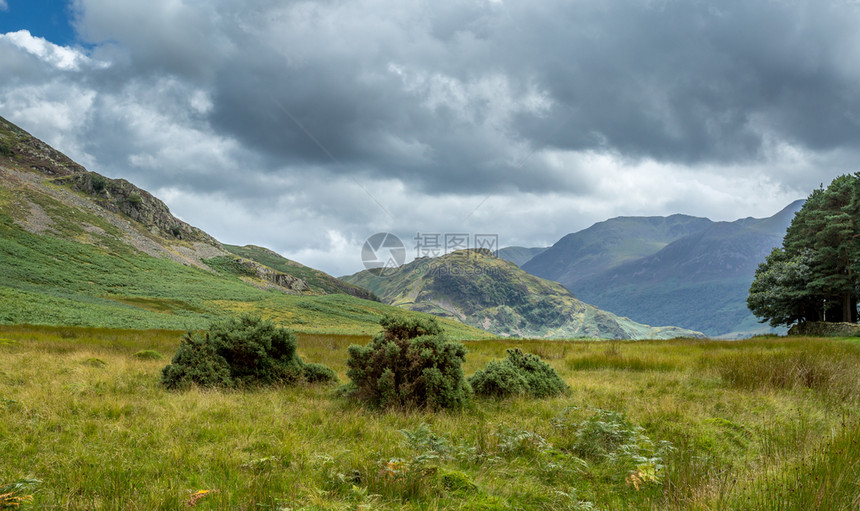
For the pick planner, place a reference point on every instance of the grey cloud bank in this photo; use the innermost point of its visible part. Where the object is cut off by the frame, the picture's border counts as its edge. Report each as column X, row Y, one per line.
column 284, row 124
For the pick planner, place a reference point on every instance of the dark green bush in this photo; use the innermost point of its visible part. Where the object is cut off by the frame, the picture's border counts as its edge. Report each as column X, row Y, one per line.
column 518, row 373
column 319, row 373
column 196, row 362
column 98, row 182
column 498, row 379
column 411, row 363
column 5, row 148
column 239, row 352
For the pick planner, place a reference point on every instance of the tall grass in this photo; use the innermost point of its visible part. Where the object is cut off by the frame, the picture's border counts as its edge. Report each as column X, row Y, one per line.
column 86, row 417
column 828, row 369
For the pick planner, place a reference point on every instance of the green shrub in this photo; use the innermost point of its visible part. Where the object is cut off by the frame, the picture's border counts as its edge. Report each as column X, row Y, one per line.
column 518, row 373
column 239, row 352
column 319, row 373
column 98, row 182
column 5, row 148
column 498, row 379
column 411, row 363
column 196, row 362
column 611, row 440
column 13, row 494
column 605, row 433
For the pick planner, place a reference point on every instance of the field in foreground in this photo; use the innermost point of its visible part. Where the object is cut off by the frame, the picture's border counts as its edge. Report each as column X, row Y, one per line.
column 760, row 424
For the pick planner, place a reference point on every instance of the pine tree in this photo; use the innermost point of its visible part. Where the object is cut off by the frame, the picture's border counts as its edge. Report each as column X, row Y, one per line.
column 813, row 276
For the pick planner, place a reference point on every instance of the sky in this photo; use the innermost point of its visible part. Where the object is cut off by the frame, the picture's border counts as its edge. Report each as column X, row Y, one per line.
column 308, row 126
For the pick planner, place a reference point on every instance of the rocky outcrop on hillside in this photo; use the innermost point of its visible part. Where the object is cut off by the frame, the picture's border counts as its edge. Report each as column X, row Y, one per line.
column 116, row 195
column 281, row 280
column 120, row 196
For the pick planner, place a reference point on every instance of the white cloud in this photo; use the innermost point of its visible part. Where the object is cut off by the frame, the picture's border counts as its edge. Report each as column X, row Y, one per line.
column 3, row 5
column 61, row 57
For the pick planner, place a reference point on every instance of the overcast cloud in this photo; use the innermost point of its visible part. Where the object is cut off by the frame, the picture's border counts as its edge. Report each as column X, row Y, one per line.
column 308, row 126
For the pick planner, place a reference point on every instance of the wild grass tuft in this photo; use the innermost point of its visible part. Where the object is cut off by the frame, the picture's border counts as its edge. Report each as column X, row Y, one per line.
column 148, row 355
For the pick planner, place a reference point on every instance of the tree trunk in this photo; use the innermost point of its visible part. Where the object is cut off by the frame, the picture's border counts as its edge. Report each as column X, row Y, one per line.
column 847, row 316
column 853, row 308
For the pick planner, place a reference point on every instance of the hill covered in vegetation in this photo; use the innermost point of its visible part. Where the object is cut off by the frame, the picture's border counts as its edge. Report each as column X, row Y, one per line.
column 79, row 248
column 490, row 293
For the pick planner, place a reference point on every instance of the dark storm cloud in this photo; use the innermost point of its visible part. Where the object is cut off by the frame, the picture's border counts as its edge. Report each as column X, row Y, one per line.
column 304, row 117
column 679, row 82
column 455, row 96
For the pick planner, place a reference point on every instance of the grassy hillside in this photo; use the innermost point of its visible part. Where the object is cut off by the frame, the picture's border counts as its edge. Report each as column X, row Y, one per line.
column 496, row 295
column 760, row 425
column 49, row 280
column 80, row 249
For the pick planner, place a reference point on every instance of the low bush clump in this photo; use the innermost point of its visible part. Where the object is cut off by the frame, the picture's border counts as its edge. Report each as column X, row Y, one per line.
column 518, row 374
column 411, row 363
column 318, row 373
column 148, row 355
column 240, row 352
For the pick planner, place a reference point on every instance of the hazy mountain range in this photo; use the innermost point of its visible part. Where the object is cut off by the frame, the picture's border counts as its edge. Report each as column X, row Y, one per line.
column 679, row 270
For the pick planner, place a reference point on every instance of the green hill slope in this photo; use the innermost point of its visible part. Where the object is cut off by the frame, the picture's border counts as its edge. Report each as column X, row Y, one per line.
column 77, row 248
column 496, row 295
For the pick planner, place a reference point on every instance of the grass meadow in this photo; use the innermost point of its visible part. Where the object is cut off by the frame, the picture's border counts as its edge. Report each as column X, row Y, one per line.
column 762, row 424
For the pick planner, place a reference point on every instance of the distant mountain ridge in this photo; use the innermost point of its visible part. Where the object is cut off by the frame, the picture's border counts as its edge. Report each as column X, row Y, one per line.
column 608, row 244
column 695, row 274
column 496, row 295
column 520, row 255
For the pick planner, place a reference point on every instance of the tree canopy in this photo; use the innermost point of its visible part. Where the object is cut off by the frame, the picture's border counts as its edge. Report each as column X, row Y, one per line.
column 812, row 277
